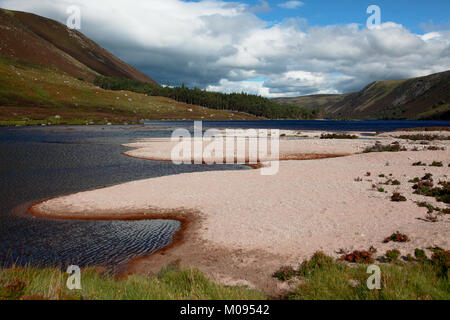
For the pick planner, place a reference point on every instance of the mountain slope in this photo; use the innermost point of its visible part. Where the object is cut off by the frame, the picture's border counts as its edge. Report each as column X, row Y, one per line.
column 34, row 94
column 312, row 101
column 33, row 38
column 418, row 98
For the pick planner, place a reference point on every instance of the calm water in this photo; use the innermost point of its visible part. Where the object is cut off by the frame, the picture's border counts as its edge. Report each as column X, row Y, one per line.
column 42, row 162
column 329, row 125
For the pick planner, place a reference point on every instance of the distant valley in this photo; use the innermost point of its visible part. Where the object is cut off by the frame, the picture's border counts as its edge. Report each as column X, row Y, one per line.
column 423, row 98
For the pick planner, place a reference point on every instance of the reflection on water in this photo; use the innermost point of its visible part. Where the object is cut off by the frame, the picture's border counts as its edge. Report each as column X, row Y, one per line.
column 38, row 163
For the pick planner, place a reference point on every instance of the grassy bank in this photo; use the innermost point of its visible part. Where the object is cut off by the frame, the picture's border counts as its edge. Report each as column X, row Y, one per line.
column 169, row 284
column 318, row 278
column 31, row 94
column 325, row 278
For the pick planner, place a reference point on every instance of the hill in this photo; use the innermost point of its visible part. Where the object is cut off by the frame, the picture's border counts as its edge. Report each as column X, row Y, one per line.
column 33, row 38
column 47, row 73
column 423, row 98
column 313, row 101
column 34, row 94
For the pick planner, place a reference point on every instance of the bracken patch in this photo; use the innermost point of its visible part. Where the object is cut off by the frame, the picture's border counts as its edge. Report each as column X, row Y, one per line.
column 358, row 257
column 396, row 237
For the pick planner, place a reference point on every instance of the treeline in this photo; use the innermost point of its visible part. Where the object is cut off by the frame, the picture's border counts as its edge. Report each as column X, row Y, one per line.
column 241, row 102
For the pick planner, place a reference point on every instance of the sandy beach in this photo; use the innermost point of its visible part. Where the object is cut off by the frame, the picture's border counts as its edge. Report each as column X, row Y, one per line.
column 240, row 226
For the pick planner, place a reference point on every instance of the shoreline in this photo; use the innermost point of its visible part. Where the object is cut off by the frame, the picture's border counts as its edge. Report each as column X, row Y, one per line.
column 188, row 221
column 229, row 233
column 190, row 224
column 185, row 244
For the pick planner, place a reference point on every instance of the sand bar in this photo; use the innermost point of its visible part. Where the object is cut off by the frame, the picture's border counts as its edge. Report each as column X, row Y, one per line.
column 241, row 226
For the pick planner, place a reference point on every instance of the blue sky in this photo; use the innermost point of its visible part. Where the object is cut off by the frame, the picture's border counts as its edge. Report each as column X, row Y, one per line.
column 409, row 13
column 265, row 47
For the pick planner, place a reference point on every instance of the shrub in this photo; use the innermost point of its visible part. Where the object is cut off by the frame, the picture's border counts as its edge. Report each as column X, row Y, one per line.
column 420, row 163
column 395, row 183
column 358, row 257
column 392, row 255
column 441, row 193
column 423, row 187
column 378, row 147
column 420, row 254
column 381, row 189
column 427, row 137
column 397, row 197
column 436, row 164
column 397, row 237
column 337, row 136
column 285, row 273
column 441, row 258
column 319, row 261
column 430, row 207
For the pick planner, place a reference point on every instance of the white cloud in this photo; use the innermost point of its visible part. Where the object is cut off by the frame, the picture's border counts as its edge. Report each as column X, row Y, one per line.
column 218, row 45
column 251, row 87
column 291, row 4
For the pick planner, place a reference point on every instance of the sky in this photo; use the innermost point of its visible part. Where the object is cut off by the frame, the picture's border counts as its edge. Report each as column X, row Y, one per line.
column 271, row 48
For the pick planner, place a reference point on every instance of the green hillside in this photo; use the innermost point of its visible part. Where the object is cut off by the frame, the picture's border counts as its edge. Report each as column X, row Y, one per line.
column 34, row 94
column 418, row 98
